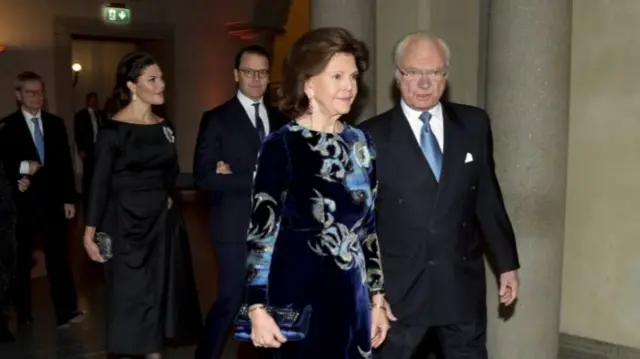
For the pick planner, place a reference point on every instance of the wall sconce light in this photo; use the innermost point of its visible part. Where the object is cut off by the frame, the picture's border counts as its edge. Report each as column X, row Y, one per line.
column 2, row 48
column 76, row 68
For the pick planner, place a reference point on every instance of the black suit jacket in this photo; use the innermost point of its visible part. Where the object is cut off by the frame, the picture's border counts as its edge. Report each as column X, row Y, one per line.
column 227, row 134
column 83, row 131
column 430, row 232
column 53, row 184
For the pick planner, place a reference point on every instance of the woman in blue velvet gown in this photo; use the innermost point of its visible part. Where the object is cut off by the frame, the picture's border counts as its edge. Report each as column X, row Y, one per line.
column 312, row 239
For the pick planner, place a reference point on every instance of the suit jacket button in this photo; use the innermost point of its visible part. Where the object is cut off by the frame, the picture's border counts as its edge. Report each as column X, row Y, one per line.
column 431, row 262
column 473, row 187
column 400, row 201
column 464, row 258
column 464, row 224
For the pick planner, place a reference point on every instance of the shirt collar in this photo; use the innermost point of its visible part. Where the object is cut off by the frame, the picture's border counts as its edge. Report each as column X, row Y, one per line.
column 410, row 113
column 28, row 116
column 246, row 101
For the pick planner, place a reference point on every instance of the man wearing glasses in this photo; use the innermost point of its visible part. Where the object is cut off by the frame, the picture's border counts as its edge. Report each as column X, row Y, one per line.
column 228, row 141
column 438, row 196
column 34, row 148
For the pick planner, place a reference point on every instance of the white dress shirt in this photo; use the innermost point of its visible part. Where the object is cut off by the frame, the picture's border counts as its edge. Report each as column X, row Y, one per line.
column 247, row 104
column 436, row 122
column 24, row 165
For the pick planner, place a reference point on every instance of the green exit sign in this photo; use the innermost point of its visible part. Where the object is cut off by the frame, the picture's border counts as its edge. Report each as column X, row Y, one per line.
column 116, row 15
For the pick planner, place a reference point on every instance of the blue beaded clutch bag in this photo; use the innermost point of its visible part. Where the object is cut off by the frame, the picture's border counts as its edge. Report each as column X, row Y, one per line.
column 293, row 324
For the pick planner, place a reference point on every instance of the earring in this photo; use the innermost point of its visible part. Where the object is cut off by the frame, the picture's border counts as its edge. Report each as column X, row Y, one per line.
column 310, row 108
column 134, row 97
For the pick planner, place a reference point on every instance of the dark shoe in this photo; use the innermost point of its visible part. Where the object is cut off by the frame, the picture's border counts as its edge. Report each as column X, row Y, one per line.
column 5, row 334
column 76, row 317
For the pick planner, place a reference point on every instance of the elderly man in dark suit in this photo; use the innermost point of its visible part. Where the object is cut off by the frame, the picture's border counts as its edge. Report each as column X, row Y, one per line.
column 34, row 144
column 438, row 194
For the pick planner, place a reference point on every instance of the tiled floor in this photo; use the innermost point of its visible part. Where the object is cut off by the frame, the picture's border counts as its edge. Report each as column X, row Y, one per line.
column 43, row 341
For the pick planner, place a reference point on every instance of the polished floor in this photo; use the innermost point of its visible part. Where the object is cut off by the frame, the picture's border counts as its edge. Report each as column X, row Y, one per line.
column 43, row 340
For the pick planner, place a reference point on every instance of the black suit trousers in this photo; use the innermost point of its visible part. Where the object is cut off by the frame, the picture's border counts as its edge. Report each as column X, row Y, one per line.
column 49, row 224
column 460, row 341
column 231, row 258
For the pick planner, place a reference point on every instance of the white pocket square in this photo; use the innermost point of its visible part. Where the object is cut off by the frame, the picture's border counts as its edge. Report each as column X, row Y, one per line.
column 469, row 158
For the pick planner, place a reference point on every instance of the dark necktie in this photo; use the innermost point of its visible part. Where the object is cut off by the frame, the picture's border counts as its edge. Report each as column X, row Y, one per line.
column 259, row 124
column 430, row 147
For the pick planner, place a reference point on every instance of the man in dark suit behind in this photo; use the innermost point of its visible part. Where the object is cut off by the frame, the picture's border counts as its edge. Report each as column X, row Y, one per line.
column 34, row 143
column 437, row 193
column 87, row 123
column 228, row 141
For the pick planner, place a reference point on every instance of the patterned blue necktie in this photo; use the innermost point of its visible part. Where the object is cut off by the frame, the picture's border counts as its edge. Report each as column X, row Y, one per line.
column 429, row 145
column 38, row 138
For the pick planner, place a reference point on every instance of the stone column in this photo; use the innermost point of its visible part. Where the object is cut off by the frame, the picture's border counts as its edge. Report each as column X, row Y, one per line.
column 527, row 98
column 359, row 17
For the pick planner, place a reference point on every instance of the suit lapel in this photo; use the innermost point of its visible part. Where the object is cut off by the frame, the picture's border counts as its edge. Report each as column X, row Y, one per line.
column 23, row 131
column 244, row 122
column 453, row 159
column 48, row 133
column 407, row 150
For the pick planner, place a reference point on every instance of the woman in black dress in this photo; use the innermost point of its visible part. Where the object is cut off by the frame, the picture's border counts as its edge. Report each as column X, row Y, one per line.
column 151, row 292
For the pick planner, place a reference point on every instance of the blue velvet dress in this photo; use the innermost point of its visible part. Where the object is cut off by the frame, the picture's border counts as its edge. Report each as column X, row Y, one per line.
column 312, row 238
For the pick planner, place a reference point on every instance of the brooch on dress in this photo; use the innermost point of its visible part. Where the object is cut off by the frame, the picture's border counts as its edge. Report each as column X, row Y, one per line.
column 362, row 155
column 168, row 133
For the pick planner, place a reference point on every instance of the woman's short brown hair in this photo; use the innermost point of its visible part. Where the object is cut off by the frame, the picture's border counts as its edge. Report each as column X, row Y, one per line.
column 308, row 57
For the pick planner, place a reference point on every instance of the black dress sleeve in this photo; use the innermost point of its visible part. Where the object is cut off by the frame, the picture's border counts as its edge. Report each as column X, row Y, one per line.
column 106, row 152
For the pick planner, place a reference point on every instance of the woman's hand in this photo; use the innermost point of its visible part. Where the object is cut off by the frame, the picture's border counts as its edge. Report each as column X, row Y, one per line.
column 90, row 245
column 264, row 330
column 379, row 320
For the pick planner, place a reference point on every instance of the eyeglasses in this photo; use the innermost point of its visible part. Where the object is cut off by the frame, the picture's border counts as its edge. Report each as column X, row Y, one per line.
column 32, row 93
column 251, row 73
column 435, row 75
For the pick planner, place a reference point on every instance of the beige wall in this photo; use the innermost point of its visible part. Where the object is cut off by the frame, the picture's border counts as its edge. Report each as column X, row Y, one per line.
column 601, row 281
column 203, row 52
column 297, row 25
column 461, row 29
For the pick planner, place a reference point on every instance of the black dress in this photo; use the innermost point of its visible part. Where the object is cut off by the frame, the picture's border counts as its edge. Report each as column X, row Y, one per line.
column 151, row 293
column 7, row 242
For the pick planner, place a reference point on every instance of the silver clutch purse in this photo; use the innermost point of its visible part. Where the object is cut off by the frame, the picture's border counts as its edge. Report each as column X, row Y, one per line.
column 103, row 241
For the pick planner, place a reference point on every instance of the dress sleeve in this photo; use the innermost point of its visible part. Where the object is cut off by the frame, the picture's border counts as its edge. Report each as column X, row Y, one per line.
column 269, row 191
column 370, row 245
column 174, row 173
column 106, row 151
